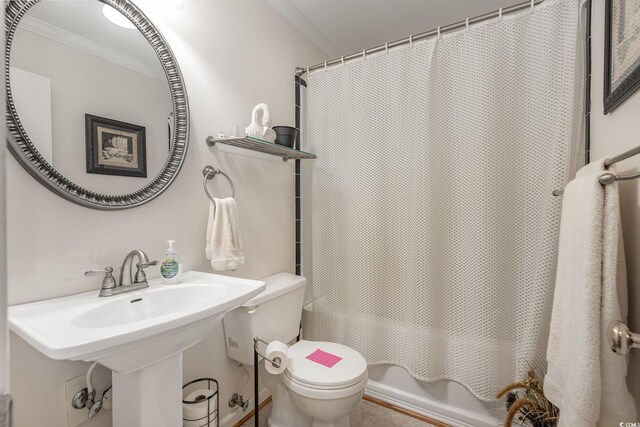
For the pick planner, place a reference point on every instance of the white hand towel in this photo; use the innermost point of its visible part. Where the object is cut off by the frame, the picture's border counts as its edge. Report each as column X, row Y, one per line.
column 585, row 379
column 224, row 241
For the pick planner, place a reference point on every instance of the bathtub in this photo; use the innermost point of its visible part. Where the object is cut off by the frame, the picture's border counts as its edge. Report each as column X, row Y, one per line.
column 445, row 401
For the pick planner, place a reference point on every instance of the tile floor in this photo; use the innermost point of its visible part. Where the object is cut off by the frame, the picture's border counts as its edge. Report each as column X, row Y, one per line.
column 366, row 414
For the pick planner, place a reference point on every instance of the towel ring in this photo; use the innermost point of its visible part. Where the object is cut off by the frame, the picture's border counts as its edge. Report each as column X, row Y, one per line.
column 209, row 172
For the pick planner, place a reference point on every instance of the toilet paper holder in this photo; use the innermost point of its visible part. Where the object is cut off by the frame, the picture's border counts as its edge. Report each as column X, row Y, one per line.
column 276, row 361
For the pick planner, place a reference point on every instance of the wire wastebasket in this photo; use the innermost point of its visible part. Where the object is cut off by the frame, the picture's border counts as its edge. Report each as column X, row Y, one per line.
column 200, row 403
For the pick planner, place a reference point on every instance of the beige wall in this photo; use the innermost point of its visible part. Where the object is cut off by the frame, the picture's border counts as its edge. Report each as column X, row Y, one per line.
column 233, row 54
column 612, row 134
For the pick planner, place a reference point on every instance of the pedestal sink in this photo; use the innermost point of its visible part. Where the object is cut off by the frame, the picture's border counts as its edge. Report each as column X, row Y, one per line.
column 139, row 335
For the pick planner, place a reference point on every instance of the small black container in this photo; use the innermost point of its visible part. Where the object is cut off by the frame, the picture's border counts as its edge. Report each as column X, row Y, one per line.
column 285, row 135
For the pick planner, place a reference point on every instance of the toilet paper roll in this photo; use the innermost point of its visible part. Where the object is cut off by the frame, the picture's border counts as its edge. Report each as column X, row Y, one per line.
column 276, row 349
column 195, row 414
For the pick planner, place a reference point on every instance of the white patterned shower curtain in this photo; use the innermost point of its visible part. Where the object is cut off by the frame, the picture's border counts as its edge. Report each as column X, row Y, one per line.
column 433, row 223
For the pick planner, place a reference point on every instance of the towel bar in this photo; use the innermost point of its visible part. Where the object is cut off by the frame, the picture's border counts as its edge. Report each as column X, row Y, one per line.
column 621, row 339
column 608, row 177
column 209, row 172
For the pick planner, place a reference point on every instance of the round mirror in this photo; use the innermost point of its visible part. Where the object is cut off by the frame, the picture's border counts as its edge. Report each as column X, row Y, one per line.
column 97, row 106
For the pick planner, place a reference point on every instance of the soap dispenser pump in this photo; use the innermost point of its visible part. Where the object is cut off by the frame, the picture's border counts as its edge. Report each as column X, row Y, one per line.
column 170, row 268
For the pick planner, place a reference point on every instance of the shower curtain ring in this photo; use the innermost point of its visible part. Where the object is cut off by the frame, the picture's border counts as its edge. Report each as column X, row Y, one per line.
column 307, row 71
column 500, row 13
column 439, row 35
column 533, row 3
column 325, row 65
column 342, row 59
column 411, row 39
column 467, row 22
column 386, row 48
column 364, row 54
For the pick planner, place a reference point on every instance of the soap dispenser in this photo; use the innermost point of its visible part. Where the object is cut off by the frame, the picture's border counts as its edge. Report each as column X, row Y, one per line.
column 170, row 268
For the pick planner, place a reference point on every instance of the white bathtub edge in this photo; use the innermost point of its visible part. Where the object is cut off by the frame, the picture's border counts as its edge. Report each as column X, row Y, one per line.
column 439, row 411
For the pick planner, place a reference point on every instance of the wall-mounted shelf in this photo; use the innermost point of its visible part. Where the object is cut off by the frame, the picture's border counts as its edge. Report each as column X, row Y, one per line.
column 262, row 146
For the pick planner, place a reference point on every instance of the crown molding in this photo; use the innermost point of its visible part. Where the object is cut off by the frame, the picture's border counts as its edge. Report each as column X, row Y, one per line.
column 293, row 15
column 85, row 45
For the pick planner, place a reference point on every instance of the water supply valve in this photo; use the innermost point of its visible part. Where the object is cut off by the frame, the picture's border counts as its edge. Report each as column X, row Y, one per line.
column 237, row 399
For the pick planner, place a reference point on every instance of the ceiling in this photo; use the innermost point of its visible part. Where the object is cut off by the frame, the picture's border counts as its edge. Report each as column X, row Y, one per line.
column 341, row 27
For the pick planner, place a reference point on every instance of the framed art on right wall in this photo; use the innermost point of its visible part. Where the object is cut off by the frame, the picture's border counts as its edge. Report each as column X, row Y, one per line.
column 622, row 51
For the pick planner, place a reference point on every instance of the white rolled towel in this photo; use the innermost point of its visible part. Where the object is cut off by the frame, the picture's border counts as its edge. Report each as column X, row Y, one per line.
column 260, row 126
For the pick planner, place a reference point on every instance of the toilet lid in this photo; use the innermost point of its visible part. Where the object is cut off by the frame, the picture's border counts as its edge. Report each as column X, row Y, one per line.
column 351, row 369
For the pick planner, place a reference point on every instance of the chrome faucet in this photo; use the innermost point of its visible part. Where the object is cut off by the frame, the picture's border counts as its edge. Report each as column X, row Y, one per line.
column 140, row 276
column 128, row 282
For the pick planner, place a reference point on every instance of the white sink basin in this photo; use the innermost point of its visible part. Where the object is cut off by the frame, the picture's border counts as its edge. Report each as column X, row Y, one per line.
column 139, row 335
column 130, row 331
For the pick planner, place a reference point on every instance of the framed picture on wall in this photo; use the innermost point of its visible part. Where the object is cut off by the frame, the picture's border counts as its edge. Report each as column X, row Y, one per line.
column 622, row 51
column 114, row 147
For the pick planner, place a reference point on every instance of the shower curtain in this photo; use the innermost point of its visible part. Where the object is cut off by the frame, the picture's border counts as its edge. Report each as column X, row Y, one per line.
column 433, row 223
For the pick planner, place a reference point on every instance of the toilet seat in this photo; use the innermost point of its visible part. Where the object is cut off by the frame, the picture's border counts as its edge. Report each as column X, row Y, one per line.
column 311, row 379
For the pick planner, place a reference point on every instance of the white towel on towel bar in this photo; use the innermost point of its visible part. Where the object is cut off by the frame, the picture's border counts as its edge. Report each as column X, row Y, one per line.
column 585, row 379
column 224, row 241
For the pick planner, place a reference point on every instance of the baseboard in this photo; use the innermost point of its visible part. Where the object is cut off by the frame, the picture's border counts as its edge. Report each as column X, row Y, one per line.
column 437, row 412
column 251, row 414
column 237, row 417
column 404, row 411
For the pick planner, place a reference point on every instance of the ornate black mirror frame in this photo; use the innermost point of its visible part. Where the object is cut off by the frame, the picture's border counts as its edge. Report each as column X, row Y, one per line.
column 28, row 156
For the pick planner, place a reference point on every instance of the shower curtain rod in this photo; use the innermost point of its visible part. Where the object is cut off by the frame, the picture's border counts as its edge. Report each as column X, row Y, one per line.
column 413, row 38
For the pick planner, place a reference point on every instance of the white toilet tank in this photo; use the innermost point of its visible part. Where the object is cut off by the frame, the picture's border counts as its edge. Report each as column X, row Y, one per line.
column 272, row 315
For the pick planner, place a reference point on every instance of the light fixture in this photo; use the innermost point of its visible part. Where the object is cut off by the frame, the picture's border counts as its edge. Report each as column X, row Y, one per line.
column 116, row 17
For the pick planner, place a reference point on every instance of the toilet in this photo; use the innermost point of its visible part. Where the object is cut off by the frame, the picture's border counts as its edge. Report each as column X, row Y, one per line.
column 307, row 393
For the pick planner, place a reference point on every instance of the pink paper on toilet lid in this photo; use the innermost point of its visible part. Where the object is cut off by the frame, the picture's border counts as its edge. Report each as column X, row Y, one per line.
column 301, row 369
column 324, row 358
